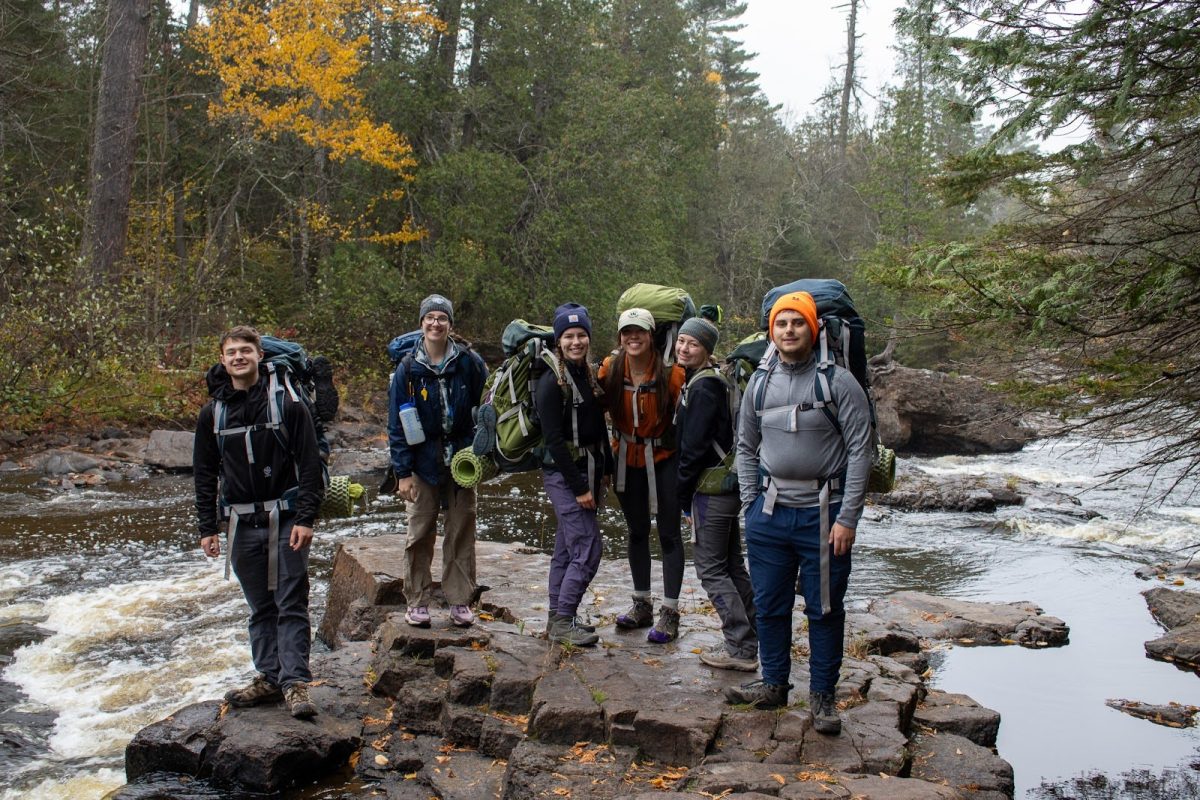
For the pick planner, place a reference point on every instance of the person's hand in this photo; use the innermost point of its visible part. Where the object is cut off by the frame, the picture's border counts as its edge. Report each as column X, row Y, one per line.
column 586, row 500
column 211, row 545
column 301, row 537
column 406, row 488
column 842, row 539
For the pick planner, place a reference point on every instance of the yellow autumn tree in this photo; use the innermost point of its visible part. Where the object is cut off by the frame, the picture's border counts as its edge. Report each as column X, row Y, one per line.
column 289, row 68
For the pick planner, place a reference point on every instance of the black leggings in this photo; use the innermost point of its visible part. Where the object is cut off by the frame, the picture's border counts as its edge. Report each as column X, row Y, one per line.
column 635, row 505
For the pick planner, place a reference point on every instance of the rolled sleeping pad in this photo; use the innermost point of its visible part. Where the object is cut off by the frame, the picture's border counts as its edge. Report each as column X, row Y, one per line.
column 469, row 470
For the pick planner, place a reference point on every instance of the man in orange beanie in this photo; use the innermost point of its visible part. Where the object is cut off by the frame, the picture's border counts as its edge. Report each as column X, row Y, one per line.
column 803, row 457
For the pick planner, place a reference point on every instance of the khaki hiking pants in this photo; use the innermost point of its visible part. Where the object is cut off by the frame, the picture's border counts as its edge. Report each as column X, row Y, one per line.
column 458, row 543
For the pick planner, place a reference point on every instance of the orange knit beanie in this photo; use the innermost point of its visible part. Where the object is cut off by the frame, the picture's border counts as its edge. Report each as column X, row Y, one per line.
column 801, row 302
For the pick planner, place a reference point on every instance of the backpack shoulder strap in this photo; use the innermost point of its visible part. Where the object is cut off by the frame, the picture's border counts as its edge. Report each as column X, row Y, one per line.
column 823, row 387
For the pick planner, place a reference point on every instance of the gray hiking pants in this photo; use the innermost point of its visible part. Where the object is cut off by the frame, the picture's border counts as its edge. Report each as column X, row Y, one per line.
column 280, row 633
column 717, row 553
column 577, row 546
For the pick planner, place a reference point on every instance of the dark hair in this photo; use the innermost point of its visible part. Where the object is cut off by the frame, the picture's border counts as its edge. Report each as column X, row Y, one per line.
column 614, row 388
column 243, row 333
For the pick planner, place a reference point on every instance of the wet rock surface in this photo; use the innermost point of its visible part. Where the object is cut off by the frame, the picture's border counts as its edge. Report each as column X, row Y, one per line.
column 1179, row 612
column 923, row 411
column 1172, row 715
column 495, row 710
column 964, row 622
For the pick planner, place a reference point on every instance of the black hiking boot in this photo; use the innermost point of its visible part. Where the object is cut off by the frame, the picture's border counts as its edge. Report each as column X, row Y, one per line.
column 758, row 694
column 824, row 713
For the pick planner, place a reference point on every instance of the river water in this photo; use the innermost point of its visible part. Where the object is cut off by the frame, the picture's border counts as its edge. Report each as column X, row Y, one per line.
column 110, row 618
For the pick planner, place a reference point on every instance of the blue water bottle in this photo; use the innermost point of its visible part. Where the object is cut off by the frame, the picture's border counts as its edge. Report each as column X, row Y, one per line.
column 410, row 421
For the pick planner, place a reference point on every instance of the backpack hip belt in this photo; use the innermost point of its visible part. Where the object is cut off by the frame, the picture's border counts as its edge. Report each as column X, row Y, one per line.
column 826, row 486
column 273, row 508
column 625, row 439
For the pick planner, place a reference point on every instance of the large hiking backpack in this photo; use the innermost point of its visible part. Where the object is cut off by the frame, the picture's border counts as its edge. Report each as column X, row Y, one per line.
column 722, row 477
column 292, row 374
column 841, row 342
column 507, row 406
column 740, row 365
column 402, row 345
column 670, row 308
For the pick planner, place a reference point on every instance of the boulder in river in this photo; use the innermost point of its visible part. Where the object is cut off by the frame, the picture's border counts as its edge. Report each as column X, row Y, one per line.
column 169, row 450
column 922, row 411
column 1179, row 612
column 929, row 617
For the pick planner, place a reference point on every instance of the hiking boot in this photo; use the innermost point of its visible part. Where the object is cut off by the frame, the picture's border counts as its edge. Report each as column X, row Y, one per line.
column 462, row 616
column 485, row 430
column 824, row 713
column 721, row 658
column 639, row 615
column 417, row 616
column 667, row 627
column 583, row 626
column 298, row 702
column 260, row 690
column 565, row 631
column 758, row 694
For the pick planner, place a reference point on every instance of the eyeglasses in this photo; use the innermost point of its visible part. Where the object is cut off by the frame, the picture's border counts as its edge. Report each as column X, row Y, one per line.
column 437, row 319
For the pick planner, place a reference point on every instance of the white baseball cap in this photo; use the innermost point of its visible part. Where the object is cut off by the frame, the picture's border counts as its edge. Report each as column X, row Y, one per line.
column 636, row 318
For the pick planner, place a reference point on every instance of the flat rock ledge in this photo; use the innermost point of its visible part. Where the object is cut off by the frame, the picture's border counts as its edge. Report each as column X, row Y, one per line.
column 928, row 617
column 496, row 711
column 1178, row 612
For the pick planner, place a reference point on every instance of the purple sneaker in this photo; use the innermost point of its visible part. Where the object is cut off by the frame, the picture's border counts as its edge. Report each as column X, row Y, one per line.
column 417, row 616
column 462, row 616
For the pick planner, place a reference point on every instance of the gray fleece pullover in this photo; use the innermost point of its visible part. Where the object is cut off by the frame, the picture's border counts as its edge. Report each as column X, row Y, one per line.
column 805, row 445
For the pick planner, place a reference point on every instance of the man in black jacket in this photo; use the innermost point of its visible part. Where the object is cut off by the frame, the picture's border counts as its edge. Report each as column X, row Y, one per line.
column 258, row 444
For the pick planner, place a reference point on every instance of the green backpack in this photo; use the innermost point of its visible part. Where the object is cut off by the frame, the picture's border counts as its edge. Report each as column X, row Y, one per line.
column 670, row 308
column 507, row 406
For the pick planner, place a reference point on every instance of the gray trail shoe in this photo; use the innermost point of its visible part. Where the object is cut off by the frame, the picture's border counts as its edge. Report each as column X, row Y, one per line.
column 824, row 713
column 639, row 615
column 758, row 694
column 721, row 658
column 298, row 702
column 566, row 630
column 258, row 691
column 551, row 617
column 667, row 627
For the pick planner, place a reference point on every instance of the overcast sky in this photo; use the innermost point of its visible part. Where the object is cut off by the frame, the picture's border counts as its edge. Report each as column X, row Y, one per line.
column 801, row 42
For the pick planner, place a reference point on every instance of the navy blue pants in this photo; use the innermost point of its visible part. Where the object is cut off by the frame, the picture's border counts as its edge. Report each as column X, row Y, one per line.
column 779, row 546
column 280, row 633
column 577, row 546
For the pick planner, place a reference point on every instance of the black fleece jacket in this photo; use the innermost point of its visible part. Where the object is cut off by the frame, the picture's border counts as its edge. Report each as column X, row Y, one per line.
column 704, row 420
column 553, row 406
column 276, row 468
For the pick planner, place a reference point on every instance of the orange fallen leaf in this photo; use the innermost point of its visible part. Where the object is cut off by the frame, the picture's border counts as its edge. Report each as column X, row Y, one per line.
column 381, row 760
column 782, row 780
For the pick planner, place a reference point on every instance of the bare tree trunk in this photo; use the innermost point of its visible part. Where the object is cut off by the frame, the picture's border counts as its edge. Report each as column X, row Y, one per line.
column 474, row 70
column 114, row 141
column 848, row 81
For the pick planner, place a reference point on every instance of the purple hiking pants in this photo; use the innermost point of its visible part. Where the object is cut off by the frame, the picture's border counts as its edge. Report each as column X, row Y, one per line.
column 576, row 546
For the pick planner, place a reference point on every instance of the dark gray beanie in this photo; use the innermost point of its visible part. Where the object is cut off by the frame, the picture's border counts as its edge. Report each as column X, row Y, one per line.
column 435, row 302
column 703, row 332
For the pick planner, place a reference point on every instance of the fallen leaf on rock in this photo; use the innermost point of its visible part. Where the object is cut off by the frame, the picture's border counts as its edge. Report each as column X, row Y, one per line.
column 697, row 650
column 815, row 775
column 381, row 760
column 1178, row 581
column 562, row 792
column 486, row 617
column 782, row 780
column 410, row 776
column 442, row 759
column 957, row 751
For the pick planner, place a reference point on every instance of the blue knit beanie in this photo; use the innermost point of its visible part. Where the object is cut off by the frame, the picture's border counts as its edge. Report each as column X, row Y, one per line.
column 571, row 315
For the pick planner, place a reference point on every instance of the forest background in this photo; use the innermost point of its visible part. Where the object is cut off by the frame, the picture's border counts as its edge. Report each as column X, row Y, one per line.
column 317, row 166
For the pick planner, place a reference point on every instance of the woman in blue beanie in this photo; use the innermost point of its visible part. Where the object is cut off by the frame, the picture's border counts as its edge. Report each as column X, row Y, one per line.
column 569, row 405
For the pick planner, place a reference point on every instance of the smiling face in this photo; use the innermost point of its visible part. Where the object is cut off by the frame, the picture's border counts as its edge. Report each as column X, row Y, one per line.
column 240, row 359
column 792, row 336
column 689, row 352
column 574, row 344
column 635, row 341
column 435, row 326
